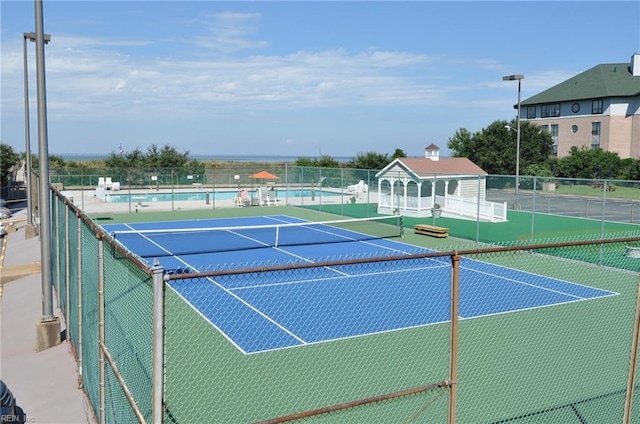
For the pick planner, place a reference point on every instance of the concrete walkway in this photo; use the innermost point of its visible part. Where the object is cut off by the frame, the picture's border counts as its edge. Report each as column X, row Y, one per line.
column 45, row 384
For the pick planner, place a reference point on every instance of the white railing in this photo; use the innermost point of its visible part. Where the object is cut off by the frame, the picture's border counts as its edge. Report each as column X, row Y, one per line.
column 467, row 207
column 471, row 208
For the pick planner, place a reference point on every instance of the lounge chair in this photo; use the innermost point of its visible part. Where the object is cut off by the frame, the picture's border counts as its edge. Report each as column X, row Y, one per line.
column 361, row 187
column 263, row 196
column 272, row 197
column 242, row 199
column 108, row 184
column 245, row 200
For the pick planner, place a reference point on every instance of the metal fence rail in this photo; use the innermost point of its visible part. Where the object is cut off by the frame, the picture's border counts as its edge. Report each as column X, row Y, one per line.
column 145, row 354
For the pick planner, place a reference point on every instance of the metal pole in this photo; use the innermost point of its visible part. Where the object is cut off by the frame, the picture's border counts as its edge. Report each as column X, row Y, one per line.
column 453, row 366
column 44, row 192
column 101, row 315
column 67, row 267
column 533, row 207
column 478, row 208
column 56, row 240
column 27, row 125
column 519, row 78
column 79, row 311
column 27, row 133
column 158, row 344
column 518, row 148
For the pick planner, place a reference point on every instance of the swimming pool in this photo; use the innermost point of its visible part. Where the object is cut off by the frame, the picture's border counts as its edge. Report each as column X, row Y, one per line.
column 202, row 195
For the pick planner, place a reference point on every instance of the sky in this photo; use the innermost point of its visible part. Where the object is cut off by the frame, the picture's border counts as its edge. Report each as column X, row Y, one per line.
column 294, row 78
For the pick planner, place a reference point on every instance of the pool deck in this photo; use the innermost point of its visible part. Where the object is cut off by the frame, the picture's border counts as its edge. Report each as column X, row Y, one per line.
column 143, row 200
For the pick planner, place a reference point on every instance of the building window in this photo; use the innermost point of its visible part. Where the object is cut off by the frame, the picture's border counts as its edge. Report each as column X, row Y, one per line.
column 554, row 133
column 596, row 107
column 574, row 128
column 595, row 135
column 550, row 111
column 531, row 112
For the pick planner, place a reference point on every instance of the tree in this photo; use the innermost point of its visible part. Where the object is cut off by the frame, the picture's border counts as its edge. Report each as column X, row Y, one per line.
column 166, row 157
column 328, row 162
column 589, row 163
column 132, row 159
column 494, row 148
column 306, row 161
column 369, row 160
column 325, row 161
column 629, row 169
column 538, row 170
column 9, row 158
column 461, row 144
column 399, row 153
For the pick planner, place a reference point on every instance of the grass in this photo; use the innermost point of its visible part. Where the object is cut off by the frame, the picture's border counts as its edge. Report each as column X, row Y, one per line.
column 620, row 192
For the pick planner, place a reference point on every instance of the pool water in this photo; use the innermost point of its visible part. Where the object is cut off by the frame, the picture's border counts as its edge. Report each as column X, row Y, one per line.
column 202, row 195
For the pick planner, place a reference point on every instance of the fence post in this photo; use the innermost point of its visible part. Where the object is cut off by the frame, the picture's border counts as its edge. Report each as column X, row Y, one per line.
column 55, row 207
column 67, row 267
column 533, row 208
column 79, row 300
column 453, row 366
column 628, row 402
column 479, row 196
column 157, row 406
column 102, row 419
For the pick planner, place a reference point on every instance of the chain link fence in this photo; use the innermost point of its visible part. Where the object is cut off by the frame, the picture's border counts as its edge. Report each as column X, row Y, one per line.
column 540, row 208
column 149, row 351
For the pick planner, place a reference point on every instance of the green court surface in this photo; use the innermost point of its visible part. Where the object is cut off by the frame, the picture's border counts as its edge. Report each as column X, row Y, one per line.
column 562, row 364
column 520, row 226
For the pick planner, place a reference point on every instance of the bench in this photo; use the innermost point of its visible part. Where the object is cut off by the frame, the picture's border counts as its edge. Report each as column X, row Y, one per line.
column 431, row 230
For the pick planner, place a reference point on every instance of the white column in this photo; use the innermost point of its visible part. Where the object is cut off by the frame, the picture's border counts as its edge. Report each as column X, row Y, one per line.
column 433, row 192
column 405, row 182
column 446, row 191
column 393, row 183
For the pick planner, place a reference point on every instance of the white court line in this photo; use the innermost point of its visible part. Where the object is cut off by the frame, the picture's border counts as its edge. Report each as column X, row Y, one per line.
column 280, row 326
column 536, row 275
column 368, row 242
column 524, row 283
column 531, row 308
column 344, row 276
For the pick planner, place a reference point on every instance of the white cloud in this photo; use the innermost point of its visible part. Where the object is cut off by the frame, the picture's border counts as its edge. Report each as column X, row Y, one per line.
column 229, row 32
column 94, row 79
column 81, row 81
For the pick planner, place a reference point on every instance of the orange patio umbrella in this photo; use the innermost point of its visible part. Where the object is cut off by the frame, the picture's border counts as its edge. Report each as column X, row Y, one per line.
column 265, row 175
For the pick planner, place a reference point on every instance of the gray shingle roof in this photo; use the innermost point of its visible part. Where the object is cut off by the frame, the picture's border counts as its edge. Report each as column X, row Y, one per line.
column 607, row 80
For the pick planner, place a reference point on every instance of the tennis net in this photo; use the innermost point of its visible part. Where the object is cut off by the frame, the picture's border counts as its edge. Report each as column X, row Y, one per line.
column 189, row 241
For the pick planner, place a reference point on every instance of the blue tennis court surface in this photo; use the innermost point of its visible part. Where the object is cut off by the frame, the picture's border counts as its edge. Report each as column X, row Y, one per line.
column 265, row 311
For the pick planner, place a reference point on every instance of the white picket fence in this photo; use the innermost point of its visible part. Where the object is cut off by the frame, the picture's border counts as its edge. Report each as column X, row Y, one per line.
column 464, row 207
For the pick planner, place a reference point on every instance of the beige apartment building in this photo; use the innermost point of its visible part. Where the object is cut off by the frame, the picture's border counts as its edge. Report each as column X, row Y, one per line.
column 597, row 109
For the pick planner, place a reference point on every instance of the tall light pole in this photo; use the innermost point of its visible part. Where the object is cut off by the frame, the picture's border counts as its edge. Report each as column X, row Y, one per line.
column 48, row 327
column 31, row 36
column 519, row 78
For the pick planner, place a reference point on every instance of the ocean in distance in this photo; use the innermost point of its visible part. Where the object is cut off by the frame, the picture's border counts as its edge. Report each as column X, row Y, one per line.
column 227, row 158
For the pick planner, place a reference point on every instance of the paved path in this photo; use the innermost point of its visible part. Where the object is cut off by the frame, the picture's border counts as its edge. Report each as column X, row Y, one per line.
column 45, row 384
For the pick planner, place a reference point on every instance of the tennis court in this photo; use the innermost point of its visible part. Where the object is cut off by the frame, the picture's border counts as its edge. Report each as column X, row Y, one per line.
column 276, row 309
